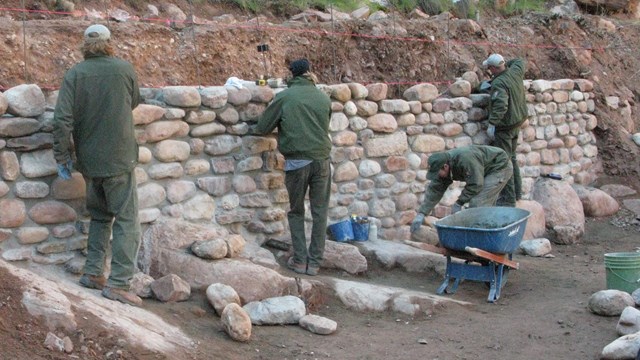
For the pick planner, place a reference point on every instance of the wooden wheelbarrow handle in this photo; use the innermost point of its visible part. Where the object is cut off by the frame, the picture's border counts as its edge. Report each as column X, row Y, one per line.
column 499, row 258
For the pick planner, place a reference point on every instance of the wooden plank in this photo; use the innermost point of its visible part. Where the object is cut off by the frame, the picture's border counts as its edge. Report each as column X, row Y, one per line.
column 499, row 258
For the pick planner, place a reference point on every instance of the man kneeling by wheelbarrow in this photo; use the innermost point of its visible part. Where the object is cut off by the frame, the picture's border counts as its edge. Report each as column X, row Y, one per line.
column 485, row 170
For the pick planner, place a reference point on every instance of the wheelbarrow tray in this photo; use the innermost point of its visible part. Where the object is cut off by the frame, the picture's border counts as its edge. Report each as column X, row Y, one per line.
column 497, row 230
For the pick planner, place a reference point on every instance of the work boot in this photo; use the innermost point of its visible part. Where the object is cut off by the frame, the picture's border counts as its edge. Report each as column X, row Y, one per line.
column 313, row 270
column 122, row 295
column 298, row 268
column 92, row 282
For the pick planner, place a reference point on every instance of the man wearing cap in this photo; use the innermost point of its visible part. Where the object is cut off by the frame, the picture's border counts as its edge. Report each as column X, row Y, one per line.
column 302, row 114
column 94, row 107
column 507, row 112
column 484, row 169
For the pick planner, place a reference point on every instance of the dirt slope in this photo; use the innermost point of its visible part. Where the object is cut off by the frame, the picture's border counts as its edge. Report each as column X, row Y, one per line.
column 398, row 51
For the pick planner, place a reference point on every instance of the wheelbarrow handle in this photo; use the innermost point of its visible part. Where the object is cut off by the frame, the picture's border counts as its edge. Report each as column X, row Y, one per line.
column 499, row 258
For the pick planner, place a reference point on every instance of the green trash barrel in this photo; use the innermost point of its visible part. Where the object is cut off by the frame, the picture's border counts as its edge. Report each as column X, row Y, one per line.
column 623, row 271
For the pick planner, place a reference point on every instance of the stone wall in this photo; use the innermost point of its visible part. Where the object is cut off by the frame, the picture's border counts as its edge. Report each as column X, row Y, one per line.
column 197, row 165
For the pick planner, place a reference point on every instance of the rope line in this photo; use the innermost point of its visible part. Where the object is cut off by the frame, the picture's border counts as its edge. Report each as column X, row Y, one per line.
column 343, row 34
column 448, row 43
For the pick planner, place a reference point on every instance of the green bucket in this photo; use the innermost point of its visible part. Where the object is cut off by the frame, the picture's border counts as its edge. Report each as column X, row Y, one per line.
column 623, row 271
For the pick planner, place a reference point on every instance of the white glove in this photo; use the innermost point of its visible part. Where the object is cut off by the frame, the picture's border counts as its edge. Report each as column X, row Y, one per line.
column 417, row 222
column 491, row 132
column 455, row 208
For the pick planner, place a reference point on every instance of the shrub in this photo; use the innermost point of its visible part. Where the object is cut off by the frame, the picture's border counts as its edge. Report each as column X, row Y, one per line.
column 435, row 7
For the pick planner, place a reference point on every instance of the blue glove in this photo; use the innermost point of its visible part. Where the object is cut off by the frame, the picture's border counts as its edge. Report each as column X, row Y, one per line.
column 64, row 170
column 417, row 222
column 491, row 132
column 455, row 208
column 485, row 86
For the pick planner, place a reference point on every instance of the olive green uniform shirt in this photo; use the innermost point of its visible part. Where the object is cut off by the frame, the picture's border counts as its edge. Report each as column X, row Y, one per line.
column 95, row 106
column 470, row 164
column 302, row 114
column 508, row 107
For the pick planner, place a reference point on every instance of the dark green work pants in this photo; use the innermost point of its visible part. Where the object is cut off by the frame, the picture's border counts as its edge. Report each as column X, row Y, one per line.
column 112, row 203
column 507, row 140
column 316, row 177
column 494, row 183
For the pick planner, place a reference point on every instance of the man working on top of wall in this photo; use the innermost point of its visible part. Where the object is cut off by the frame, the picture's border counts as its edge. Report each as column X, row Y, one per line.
column 507, row 112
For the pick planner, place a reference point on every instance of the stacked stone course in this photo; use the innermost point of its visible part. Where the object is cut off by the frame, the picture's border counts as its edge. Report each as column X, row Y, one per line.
column 197, row 164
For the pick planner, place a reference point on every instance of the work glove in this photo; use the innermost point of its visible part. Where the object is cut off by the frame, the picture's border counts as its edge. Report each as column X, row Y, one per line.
column 455, row 208
column 491, row 132
column 417, row 222
column 64, row 170
column 485, row 86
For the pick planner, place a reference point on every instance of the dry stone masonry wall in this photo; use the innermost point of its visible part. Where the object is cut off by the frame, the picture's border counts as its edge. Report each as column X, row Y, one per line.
column 196, row 164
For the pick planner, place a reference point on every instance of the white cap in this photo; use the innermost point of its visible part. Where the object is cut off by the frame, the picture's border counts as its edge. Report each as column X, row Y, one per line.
column 494, row 60
column 97, row 32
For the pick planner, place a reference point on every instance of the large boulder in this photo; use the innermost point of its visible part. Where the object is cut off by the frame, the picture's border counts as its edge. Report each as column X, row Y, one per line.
column 563, row 211
column 629, row 322
column 26, row 100
column 221, row 295
column 164, row 252
column 596, row 203
column 609, row 302
column 536, row 225
column 624, row 347
column 236, row 322
column 252, row 282
column 344, row 257
column 276, row 311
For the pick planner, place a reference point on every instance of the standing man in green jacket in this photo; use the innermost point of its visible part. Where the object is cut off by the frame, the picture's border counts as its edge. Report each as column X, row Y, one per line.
column 485, row 170
column 302, row 114
column 507, row 112
column 94, row 107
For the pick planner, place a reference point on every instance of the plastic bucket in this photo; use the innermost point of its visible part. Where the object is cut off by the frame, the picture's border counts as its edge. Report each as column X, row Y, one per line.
column 341, row 231
column 360, row 230
column 623, row 271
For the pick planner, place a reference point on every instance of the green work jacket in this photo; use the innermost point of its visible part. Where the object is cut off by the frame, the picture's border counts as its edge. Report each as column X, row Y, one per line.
column 469, row 164
column 302, row 114
column 95, row 106
column 508, row 107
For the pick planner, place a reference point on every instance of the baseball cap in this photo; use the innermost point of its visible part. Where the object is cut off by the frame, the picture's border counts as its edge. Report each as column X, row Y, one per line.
column 436, row 162
column 494, row 60
column 97, row 32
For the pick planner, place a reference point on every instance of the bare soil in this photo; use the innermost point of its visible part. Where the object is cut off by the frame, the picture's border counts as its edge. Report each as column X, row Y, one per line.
column 542, row 313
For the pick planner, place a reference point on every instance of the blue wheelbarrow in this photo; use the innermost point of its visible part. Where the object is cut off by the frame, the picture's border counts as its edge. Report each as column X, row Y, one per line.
column 485, row 238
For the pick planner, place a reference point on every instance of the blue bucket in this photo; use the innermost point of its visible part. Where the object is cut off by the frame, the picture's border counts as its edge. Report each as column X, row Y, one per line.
column 360, row 230
column 342, row 231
